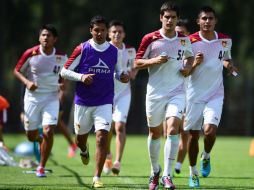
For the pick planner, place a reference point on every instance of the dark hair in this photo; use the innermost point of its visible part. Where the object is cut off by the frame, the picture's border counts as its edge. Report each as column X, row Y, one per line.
column 183, row 23
column 116, row 23
column 98, row 19
column 50, row 28
column 169, row 6
column 206, row 9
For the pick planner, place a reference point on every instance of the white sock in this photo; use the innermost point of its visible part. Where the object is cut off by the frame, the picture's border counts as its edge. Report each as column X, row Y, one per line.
column 205, row 155
column 178, row 165
column 154, row 152
column 193, row 170
column 170, row 151
column 96, row 178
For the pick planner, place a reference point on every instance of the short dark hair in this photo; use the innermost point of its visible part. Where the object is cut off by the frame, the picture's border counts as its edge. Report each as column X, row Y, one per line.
column 169, row 6
column 116, row 23
column 50, row 28
column 206, row 9
column 98, row 19
column 183, row 23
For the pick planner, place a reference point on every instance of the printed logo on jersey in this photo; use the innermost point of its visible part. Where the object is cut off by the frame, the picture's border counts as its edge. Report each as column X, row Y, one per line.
column 224, row 43
column 58, row 59
column 183, row 42
column 193, row 39
column 34, row 52
column 100, row 67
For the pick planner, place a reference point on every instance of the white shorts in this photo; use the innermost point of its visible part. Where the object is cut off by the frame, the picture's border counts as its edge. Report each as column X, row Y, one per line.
column 85, row 117
column 39, row 114
column 121, row 108
column 158, row 110
column 198, row 114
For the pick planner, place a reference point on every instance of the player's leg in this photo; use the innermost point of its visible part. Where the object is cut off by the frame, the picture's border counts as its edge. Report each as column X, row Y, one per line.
column 194, row 120
column 212, row 115
column 108, row 162
column 64, row 130
column 50, row 113
column 155, row 112
column 182, row 148
column 102, row 123
column 174, row 111
column 83, row 123
column 120, row 118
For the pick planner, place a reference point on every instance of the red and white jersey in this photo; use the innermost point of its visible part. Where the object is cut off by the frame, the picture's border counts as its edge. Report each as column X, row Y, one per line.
column 206, row 82
column 165, row 79
column 42, row 69
column 125, row 61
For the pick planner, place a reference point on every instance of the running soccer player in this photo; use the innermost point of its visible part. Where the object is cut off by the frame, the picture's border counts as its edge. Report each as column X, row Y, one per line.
column 38, row 68
column 168, row 56
column 205, row 91
column 122, row 96
column 92, row 65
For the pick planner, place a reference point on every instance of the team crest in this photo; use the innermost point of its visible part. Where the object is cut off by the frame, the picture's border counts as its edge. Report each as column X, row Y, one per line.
column 224, row 43
column 58, row 59
column 183, row 42
column 193, row 39
column 34, row 52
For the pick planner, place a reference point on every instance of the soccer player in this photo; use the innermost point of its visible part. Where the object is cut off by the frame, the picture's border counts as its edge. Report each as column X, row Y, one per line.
column 38, row 68
column 4, row 105
column 122, row 96
column 181, row 27
column 92, row 65
column 205, row 91
column 168, row 56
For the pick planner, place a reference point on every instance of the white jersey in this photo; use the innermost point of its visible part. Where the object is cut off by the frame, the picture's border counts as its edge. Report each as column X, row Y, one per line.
column 165, row 79
column 126, row 57
column 206, row 82
column 41, row 69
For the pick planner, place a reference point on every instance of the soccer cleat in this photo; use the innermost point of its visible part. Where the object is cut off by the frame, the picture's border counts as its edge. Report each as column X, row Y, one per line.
column 107, row 165
column 72, row 150
column 116, row 168
column 40, row 172
column 85, row 156
column 97, row 184
column 194, row 181
column 177, row 173
column 167, row 182
column 205, row 167
column 154, row 180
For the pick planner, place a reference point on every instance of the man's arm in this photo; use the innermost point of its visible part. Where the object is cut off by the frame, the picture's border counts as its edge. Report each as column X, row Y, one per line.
column 29, row 84
column 228, row 64
column 145, row 63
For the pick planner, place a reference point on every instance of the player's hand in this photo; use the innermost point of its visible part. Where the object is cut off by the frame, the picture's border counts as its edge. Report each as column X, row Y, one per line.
column 161, row 59
column 61, row 86
column 87, row 79
column 199, row 57
column 124, row 78
column 31, row 86
column 186, row 70
column 232, row 70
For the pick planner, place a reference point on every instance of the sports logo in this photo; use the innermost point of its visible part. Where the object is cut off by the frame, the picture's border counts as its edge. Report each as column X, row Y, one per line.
column 183, row 42
column 224, row 43
column 100, row 67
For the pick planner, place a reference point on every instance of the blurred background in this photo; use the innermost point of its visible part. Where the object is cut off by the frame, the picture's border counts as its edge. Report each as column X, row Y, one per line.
column 21, row 19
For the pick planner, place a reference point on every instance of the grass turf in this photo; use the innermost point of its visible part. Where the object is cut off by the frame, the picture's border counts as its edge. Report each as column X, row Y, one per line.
column 232, row 167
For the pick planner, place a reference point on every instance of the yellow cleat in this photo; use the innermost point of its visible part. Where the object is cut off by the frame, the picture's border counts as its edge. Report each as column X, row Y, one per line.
column 98, row 184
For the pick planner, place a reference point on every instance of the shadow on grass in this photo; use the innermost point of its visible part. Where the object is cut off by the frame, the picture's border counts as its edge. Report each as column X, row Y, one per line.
column 75, row 174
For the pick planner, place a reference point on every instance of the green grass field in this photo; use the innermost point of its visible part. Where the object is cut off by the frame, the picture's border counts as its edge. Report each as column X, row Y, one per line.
column 232, row 167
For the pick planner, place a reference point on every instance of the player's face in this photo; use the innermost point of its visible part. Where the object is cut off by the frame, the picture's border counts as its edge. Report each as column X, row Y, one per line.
column 47, row 39
column 99, row 33
column 207, row 21
column 169, row 20
column 116, row 34
column 182, row 29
